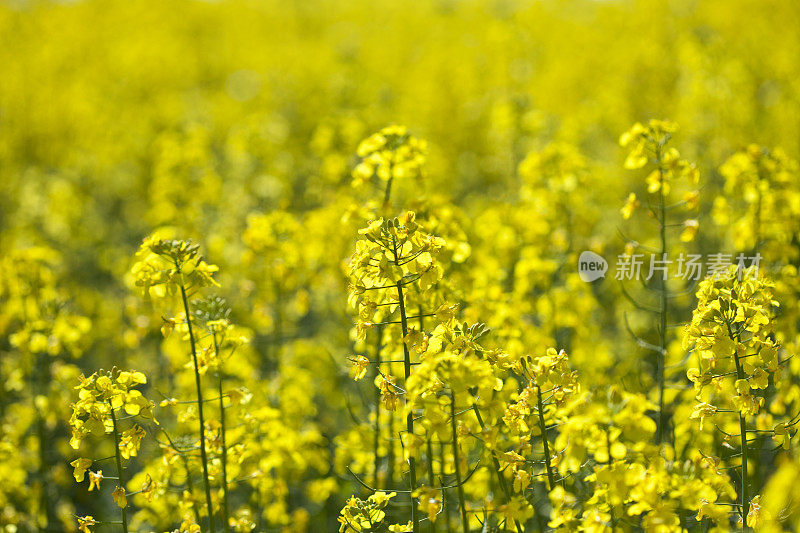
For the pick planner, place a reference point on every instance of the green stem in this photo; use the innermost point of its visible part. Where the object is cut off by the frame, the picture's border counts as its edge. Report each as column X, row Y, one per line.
column 387, row 194
column 431, row 480
column 456, row 465
column 448, row 525
column 663, row 310
column 757, row 230
column 429, row 447
column 203, row 455
column 120, row 472
column 545, row 444
column 745, row 503
column 745, row 499
column 377, row 428
column 496, row 464
column 390, row 451
column 190, row 487
column 277, row 339
column 40, row 376
column 410, row 417
column 224, row 457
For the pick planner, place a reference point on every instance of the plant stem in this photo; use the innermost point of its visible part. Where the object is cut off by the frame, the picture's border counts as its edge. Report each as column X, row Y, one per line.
column 377, row 429
column 190, row 486
column 410, row 416
column 387, row 194
column 431, row 481
column 663, row 310
column 457, row 465
column 224, row 458
column 745, row 500
column 120, row 472
column 745, row 503
column 429, row 447
column 277, row 334
column 447, row 523
column 390, row 457
column 496, row 464
column 203, row 455
column 545, row 444
column 757, row 231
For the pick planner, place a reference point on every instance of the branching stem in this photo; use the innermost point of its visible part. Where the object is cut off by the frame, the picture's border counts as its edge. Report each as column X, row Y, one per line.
column 120, row 472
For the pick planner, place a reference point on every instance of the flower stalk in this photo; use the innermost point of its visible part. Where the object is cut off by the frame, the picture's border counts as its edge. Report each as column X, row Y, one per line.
column 456, row 464
column 120, row 471
column 224, row 451
column 407, row 369
column 551, row 480
column 662, row 326
column 203, row 453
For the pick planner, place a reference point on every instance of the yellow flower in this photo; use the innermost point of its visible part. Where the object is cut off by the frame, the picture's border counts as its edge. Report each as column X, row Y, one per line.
column 389, row 393
column 521, row 480
column 781, row 435
column 517, row 508
column 164, row 265
column 390, row 153
column 691, row 199
column 131, row 441
column 148, row 488
column 131, row 378
column 188, row 526
column 717, row 513
column 358, row 368
column 360, row 515
column 512, row 459
column 84, row 522
column 429, row 502
column 759, row 379
column 702, row 411
column 745, row 402
column 119, row 497
column 630, row 206
column 94, row 480
column 754, row 516
column 81, row 465
column 381, row 498
column 690, row 228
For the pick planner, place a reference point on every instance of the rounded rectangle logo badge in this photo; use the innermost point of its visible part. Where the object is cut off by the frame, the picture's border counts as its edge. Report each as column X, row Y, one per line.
column 591, row 266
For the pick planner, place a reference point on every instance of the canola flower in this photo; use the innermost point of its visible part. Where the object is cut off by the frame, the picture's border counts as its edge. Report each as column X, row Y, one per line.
column 537, row 401
column 731, row 331
column 520, row 423
column 104, row 400
column 390, row 154
column 167, row 267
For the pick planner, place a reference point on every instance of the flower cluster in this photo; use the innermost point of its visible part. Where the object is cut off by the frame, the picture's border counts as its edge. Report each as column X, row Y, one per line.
column 733, row 343
column 100, row 395
column 761, row 204
column 392, row 255
column 391, row 153
column 105, row 399
column 164, row 265
column 491, row 388
column 365, row 515
column 738, row 359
